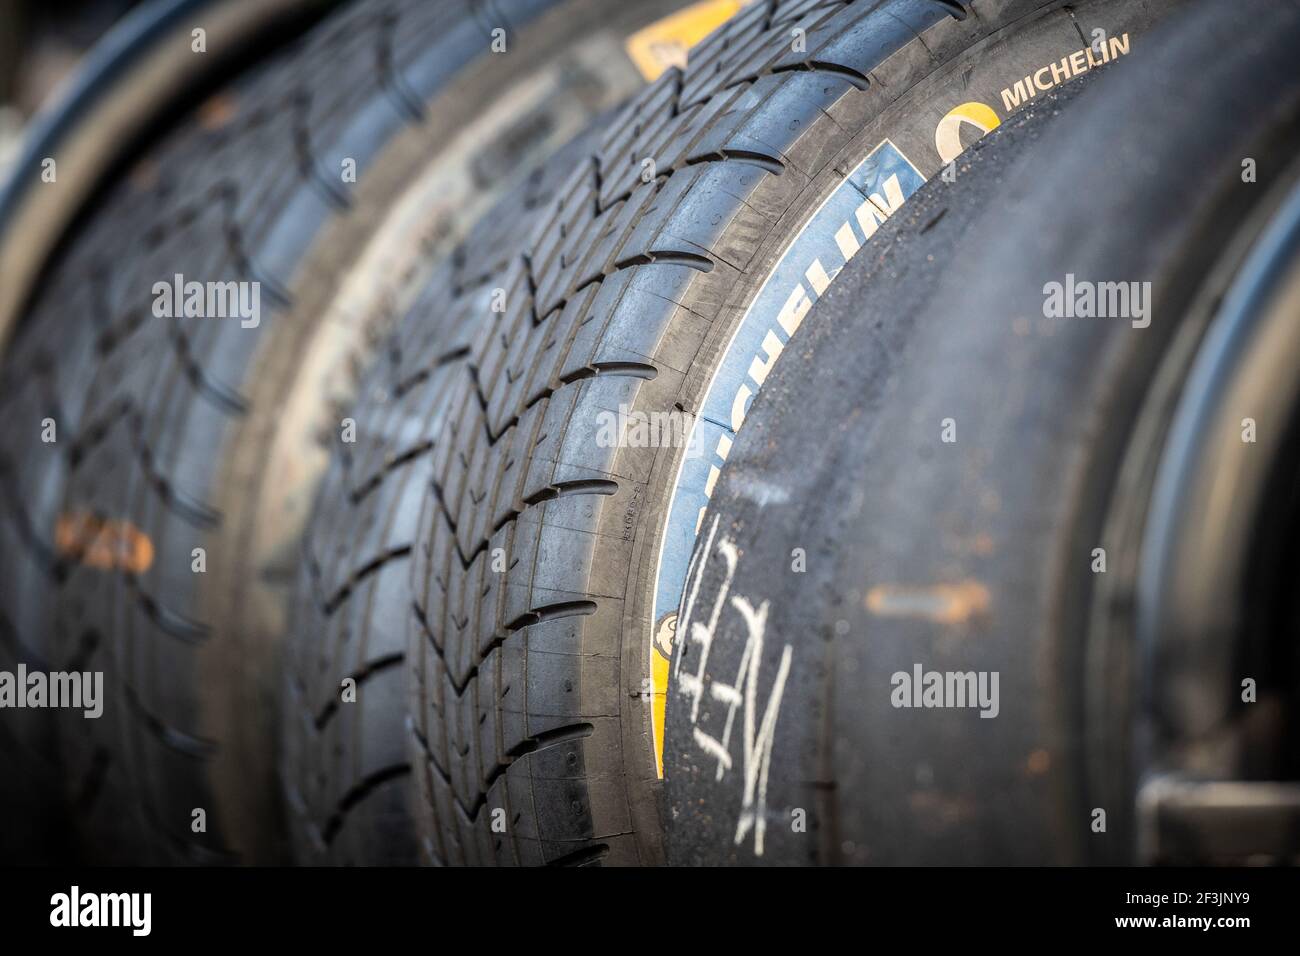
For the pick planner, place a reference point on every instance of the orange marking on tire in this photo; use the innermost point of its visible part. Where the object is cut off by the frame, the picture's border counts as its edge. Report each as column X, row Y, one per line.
column 103, row 543
column 941, row 603
column 217, row 111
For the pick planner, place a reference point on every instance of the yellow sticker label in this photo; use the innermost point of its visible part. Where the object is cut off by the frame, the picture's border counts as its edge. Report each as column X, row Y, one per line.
column 666, row 42
column 661, row 656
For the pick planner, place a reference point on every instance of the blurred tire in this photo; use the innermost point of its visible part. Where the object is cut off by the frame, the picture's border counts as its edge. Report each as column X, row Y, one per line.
column 164, row 522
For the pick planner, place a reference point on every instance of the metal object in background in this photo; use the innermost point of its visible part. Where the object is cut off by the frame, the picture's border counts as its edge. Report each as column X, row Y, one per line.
column 1216, row 600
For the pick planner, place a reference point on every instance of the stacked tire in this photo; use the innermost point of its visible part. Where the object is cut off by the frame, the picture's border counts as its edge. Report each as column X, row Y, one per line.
column 456, row 552
column 158, row 465
column 498, row 511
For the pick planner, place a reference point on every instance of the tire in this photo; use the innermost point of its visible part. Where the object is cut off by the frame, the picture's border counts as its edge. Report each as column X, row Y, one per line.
column 89, row 131
column 178, row 434
column 975, row 552
column 536, row 558
column 345, row 766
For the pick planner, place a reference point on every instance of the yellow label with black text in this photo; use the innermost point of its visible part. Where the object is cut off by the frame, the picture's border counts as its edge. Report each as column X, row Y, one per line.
column 665, row 43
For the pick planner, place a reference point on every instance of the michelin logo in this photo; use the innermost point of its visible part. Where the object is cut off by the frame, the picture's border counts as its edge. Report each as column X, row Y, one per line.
column 862, row 204
column 975, row 119
column 840, row 227
column 1054, row 74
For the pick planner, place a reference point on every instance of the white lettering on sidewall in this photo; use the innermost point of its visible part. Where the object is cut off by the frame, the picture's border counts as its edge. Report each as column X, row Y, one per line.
column 758, row 723
column 1054, row 74
column 837, row 229
column 869, row 216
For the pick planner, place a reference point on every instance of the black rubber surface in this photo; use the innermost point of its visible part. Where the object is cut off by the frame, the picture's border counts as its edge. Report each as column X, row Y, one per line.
column 973, row 555
column 345, row 764
column 530, row 707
